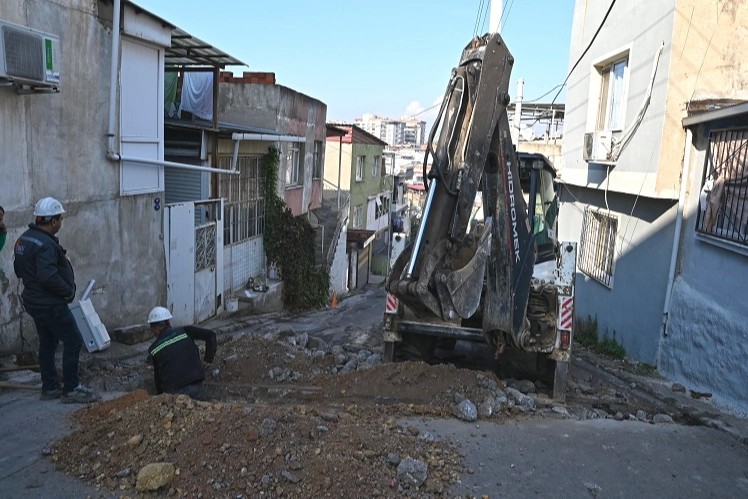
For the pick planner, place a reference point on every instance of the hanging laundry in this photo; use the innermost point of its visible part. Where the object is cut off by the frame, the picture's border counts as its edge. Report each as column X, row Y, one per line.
column 170, row 93
column 197, row 95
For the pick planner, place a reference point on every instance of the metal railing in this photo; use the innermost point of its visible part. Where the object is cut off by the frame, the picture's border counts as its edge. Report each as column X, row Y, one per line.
column 723, row 206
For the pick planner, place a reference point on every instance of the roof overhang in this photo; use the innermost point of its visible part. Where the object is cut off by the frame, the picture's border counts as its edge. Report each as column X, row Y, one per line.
column 187, row 50
column 361, row 237
column 726, row 112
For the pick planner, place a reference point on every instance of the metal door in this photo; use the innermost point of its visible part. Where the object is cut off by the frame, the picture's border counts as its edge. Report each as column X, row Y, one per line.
column 193, row 236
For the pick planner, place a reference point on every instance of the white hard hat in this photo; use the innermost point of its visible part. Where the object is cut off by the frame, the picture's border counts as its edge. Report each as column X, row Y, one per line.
column 48, row 207
column 159, row 314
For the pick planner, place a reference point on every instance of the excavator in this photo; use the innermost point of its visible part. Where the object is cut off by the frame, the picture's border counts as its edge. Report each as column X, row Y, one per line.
column 485, row 264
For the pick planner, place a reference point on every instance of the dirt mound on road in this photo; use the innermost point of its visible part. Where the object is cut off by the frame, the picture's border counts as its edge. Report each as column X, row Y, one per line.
column 295, row 418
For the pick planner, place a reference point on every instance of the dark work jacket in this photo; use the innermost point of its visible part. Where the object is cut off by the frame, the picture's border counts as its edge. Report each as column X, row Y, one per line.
column 176, row 359
column 40, row 261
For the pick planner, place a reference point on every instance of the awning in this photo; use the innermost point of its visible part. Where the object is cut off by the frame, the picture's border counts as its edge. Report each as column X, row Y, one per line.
column 188, row 50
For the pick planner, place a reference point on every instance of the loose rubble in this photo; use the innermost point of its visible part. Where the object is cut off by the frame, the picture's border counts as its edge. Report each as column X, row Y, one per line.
column 294, row 417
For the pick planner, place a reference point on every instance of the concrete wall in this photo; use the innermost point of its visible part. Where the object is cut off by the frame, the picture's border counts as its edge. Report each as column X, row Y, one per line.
column 370, row 185
column 710, row 61
column 550, row 149
column 286, row 111
column 640, row 28
column 706, row 346
column 630, row 311
column 54, row 145
column 337, row 162
column 339, row 269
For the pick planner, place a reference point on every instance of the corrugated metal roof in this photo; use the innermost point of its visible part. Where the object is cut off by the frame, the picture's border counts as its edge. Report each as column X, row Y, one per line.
column 188, row 50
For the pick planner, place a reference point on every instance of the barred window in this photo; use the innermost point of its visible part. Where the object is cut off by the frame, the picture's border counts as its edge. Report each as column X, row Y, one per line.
column 723, row 203
column 597, row 245
column 244, row 209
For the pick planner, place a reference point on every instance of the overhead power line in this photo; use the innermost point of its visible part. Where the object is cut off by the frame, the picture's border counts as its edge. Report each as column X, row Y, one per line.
column 605, row 18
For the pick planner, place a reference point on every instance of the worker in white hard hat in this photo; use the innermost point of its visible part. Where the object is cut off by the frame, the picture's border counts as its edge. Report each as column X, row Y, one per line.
column 48, row 287
column 176, row 357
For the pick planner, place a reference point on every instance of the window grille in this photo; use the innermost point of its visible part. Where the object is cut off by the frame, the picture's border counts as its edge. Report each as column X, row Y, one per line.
column 244, row 209
column 597, row 245
column 723, row 202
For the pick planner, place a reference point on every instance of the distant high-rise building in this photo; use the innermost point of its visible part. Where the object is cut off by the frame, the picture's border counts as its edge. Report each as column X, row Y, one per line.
column 394, row 132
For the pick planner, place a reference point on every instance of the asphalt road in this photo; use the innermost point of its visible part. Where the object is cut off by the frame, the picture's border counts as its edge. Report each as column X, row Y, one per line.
column 596, row 458
column 28, row 426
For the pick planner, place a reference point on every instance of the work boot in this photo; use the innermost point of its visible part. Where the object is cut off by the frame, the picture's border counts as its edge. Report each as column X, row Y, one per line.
column 51, row 394
column 81, row 395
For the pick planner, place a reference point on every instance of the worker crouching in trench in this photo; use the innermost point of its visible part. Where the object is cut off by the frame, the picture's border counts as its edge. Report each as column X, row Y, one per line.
column 175, row 356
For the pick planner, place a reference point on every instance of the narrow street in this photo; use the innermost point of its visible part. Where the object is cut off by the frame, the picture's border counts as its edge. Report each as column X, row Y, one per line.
column 305, row 408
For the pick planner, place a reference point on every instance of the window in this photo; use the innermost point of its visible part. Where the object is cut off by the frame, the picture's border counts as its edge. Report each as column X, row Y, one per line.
column 244, row 209
column 358, row 217
column 293, row 165
column 317, row 166
column 597, row 246
column 360, row 168
column 611, row 105
column 376, row 166
column 723, row 206
column 382, row 206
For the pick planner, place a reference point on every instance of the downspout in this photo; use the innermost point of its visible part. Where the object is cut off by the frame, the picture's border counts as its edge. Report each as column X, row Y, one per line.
column 340, row 164
column 678, row 224
column 110, row 152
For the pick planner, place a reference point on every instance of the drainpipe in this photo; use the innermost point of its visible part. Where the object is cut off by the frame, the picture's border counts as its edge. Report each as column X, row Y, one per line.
column 340, row 164
column 110, row 153
column 678, row 224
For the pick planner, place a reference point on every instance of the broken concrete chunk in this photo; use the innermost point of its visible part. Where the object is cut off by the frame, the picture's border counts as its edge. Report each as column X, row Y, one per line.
column 411, row 473
column 153, row 476
column 466, row 411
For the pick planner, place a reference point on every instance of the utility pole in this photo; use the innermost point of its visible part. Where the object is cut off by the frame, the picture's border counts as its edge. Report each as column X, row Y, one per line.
column 517, row 119
column 497, row 10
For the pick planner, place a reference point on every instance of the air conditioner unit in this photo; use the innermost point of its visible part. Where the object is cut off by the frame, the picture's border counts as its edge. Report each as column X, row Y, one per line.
column 597, row 147
column 29, row 57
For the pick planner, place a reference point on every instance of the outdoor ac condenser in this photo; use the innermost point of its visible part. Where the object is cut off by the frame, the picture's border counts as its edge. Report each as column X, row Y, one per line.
column 28, row 56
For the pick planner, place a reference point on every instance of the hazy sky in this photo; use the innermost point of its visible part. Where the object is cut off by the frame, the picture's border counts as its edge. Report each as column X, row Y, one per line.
column 388, row 57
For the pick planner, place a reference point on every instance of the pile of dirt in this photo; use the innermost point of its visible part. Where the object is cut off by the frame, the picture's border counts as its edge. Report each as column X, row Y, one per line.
column 290, row 418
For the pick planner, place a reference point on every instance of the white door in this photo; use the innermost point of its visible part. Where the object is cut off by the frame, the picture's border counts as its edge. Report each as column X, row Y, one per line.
column 193, row 234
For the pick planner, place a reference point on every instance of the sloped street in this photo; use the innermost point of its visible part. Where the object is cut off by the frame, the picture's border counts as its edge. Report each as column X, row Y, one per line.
column 303, row 407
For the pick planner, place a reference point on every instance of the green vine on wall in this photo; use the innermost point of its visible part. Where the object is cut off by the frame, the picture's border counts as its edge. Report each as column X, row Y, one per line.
column 290, row 244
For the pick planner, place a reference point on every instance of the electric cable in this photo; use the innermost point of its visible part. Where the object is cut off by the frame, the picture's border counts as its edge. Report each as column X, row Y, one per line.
column 589, row 45
column 503, row 24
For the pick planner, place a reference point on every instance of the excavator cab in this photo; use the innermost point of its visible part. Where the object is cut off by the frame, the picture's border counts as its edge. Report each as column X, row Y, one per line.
column 538, row 179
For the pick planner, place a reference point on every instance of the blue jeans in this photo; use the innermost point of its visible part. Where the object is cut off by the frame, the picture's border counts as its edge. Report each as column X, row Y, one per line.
column 55, row 324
